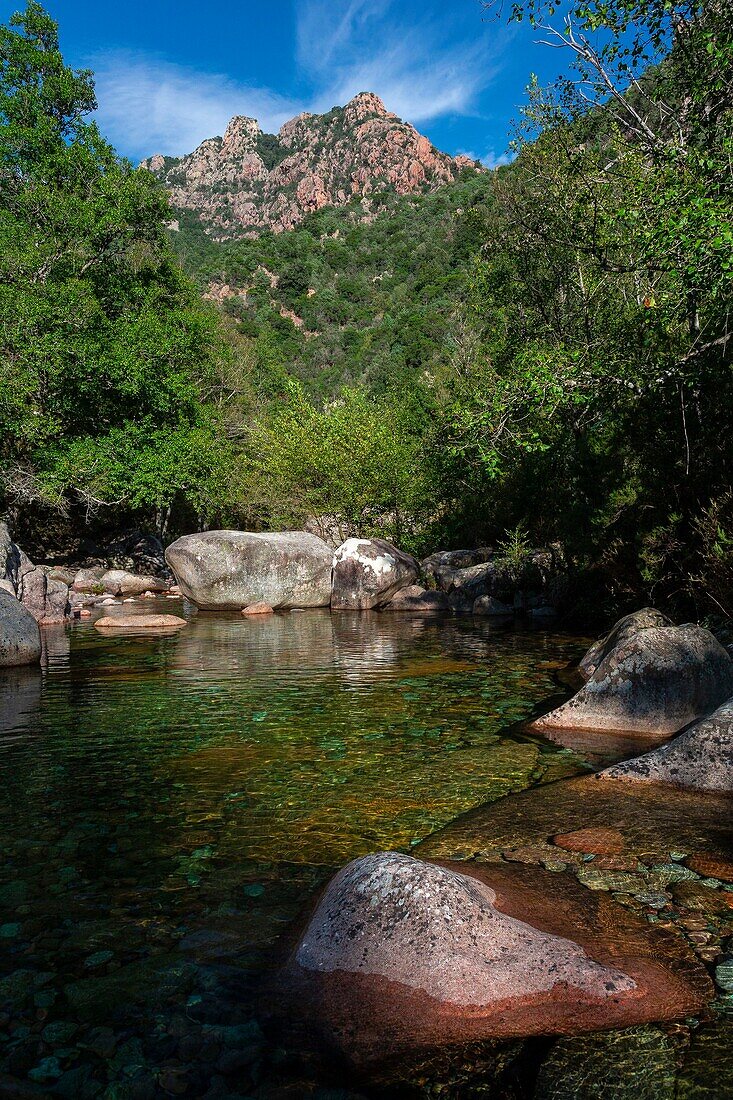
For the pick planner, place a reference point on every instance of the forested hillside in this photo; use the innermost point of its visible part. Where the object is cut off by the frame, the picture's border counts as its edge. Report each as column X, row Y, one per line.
column 539, row 354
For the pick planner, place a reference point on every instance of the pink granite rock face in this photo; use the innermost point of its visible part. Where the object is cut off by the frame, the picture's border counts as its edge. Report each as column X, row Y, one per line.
column 439, row 932
column 319, row 160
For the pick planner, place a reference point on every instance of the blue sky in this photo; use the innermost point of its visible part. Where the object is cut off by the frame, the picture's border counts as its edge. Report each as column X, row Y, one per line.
column 172, row 72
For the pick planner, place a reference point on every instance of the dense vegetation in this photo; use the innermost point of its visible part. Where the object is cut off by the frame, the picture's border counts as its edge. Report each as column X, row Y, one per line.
column 541, row 350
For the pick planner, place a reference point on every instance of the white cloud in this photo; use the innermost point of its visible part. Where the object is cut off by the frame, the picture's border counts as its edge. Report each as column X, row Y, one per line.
column 148, row 105
column 422, row 68
column 417, row 66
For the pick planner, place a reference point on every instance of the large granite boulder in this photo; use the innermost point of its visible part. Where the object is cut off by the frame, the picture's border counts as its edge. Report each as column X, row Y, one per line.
column 419, row 601
column 620, row 632
column 401, row 955
column 368, row 573
column 229, row 570
column 700, row 759
column 658, row 681
column 20, row 638
column 438, row 931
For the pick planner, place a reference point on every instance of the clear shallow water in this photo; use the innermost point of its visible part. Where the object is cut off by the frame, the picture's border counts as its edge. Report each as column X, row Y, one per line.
column 171, row 803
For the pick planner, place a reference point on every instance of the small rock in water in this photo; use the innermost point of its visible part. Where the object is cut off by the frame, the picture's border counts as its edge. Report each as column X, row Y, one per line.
column 140, row 622
column 258, row 609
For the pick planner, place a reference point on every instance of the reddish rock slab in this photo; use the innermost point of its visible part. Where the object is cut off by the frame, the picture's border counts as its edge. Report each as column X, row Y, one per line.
column 146, row 623
column 372, row 1020
column 652, row 818
column 711, row 866
column 604, row 842
column 258, row 609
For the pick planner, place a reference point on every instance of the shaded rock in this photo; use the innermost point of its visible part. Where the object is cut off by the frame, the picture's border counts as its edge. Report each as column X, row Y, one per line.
column 258, row 609
column 46, row 597
column 368, row 573
column 440, row 566
column 538, row 581
column 140, row 622
column 418, row 600
column 659, row 680
column 89, row 579
column 620, row 632
column 121, row 583
column 20, row 639
column 700, row 759
column 229, row 570
column 489, row 605
column 401, row 955
column 137, row 553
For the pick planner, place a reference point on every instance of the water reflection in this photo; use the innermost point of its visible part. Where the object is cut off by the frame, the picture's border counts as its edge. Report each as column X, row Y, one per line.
column 170, row 803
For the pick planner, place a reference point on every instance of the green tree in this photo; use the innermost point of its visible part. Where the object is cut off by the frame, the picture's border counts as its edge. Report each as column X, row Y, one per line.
column 102, row 334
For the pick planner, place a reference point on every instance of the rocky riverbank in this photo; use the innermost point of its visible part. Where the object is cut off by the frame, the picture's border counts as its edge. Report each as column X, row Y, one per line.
column 257, row 573
column 629, row 869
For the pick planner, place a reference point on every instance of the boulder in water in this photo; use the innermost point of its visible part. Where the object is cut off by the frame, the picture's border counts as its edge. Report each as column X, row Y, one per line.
column 20, row 638
column 229, row 570
column 620, row 632
column 402, row 955
column 369, row 573
column 700, row 759
column 658, row 681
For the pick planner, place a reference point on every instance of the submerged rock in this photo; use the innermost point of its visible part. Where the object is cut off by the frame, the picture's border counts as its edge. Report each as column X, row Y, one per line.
column 634, row 1064
column 657, row 681
column 700, row 759
column 620, row 632
column 20, row 638
column 140, row 622
column 229, row 570
column 369, row 573
column 418, row 600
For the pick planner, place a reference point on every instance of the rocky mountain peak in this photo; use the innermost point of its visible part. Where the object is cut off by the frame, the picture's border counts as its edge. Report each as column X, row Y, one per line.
column 241, row 135
column 365, row 105
column 249, row 181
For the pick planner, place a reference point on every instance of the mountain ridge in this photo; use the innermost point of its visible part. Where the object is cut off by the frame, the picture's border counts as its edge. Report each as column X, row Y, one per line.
column 247, row 182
